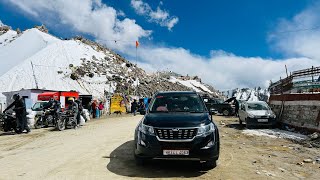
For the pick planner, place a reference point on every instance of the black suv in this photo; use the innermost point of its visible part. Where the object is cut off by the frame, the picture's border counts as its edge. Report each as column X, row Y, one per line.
column 177, row 126
column 219, row 106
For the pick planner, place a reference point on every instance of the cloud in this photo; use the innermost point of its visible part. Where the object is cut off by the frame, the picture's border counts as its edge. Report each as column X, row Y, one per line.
column 159, row 16
column 223, row 70
column 1, row 24
column 86, row 16
column 299, row 36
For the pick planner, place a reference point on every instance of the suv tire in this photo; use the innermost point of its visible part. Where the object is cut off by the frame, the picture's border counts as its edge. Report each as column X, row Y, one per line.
column 139, row 161
column 226, row 112
column 210, row 164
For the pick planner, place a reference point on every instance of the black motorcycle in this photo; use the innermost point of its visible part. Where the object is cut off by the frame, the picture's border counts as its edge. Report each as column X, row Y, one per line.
column 45, row 119
column 8, row 122
column 66, row 119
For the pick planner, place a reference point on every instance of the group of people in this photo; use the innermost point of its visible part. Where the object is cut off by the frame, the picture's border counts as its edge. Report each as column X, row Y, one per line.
column 137, row 106
column 96, row 108
column 18, row 105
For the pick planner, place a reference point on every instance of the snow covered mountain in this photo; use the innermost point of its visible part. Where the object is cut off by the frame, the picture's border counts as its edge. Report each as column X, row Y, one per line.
column 34, row 59
column 248, row 94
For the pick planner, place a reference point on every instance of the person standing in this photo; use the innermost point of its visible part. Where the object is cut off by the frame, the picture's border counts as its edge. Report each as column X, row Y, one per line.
column 94, row 106
column 101, row 108
column 236, row 103
column 134, row 107
column 73, row 106
column 80, row 109
column 21, row 113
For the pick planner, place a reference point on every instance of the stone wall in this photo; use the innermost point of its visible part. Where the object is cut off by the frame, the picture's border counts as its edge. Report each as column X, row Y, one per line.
column 299, row 110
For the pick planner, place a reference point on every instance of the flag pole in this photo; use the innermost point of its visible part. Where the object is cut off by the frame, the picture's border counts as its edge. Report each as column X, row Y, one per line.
column 136, row 88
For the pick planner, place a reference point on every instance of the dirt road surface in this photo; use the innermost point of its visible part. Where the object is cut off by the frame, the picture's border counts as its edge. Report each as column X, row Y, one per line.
column 102, row 149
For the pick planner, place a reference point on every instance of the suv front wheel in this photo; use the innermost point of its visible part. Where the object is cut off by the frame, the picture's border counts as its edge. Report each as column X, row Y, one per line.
column 226, row 112
column 210, row 164
column 139, row 161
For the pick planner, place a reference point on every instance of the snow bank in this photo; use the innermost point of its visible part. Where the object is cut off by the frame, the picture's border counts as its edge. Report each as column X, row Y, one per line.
column 275, row 133
column 193, row 84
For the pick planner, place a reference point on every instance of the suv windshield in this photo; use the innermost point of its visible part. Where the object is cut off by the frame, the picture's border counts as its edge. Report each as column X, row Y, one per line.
column 178, row 103
column 258, row 106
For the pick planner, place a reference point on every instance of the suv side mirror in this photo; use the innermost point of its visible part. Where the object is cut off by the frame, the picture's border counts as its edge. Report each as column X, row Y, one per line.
column 212, row 111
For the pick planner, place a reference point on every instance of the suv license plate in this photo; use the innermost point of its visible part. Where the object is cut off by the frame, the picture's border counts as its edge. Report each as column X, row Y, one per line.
column 262, row 120
column 176, row 152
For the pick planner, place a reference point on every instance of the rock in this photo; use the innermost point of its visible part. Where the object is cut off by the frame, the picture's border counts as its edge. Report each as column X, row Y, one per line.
column 300, row 163
column 307, row 160
column 244, row 143
column 318, row 160
column 310, row 146
column 269, row 174
column 240, row 147
column 254, row 162
column 223, row 135
column 314, row 136
column 257, row 172
column 269, row 156
column 282, row 170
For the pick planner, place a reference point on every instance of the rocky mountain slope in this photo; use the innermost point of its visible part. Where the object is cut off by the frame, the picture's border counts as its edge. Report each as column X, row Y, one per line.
column 35, row 59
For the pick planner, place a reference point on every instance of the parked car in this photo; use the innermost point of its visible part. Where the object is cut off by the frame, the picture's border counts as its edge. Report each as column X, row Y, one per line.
column 219, row 106
column 177, row 126
column 256, row 113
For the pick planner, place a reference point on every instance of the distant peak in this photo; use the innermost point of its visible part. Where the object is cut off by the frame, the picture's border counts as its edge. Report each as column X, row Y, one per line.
column 42, row 28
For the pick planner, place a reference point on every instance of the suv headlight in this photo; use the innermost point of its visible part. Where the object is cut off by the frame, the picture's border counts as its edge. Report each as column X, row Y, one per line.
column 272, row 115
column 205, row 130
column 146, row 129
column 250, row 115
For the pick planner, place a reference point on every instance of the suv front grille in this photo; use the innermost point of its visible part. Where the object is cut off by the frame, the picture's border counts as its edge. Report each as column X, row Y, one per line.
column 176, row 133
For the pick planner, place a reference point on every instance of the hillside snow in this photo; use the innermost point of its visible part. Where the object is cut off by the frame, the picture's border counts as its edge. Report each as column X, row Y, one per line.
column 21, row 48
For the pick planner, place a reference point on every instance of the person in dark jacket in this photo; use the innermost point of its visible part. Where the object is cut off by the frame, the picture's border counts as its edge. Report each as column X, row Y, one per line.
column 94, row 106
column 55, row 106
column 21, row 113
column 73, row 106
column 236, row 103
column 80, row 108
column 134, row 107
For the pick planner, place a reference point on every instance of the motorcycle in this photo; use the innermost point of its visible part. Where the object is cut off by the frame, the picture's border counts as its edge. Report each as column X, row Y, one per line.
column 8, row 122
column 45, row 119
column 66, row 119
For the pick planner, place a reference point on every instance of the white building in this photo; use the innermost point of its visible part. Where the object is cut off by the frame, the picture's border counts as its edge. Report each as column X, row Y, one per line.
column 30, row 96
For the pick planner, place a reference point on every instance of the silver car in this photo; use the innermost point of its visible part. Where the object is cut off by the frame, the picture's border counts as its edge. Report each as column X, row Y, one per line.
column 256, row 113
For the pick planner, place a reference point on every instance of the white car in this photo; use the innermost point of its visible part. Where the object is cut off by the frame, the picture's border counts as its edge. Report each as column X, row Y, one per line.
column 256, row 113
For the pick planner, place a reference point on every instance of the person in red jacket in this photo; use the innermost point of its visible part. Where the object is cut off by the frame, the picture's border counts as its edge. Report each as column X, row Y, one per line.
column 101, row 107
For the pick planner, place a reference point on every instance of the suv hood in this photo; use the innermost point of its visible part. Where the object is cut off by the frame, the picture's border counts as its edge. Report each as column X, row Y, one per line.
column 176, row 119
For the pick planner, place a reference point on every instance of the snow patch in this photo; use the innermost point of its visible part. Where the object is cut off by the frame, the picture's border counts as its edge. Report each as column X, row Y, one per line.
column 275, row 133
column 7, row 37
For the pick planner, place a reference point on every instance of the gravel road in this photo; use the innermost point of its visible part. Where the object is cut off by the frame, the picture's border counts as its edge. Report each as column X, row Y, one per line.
column 102, row 149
